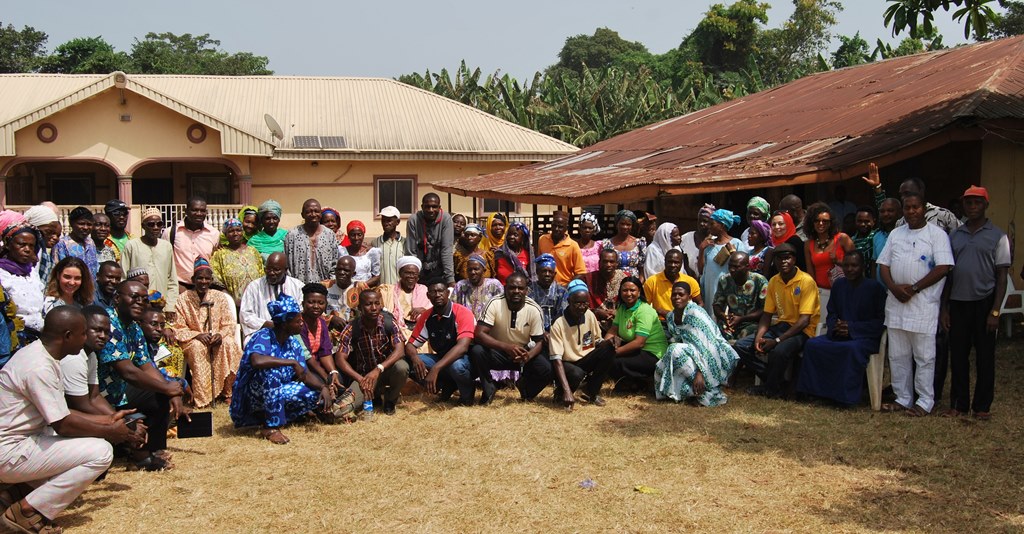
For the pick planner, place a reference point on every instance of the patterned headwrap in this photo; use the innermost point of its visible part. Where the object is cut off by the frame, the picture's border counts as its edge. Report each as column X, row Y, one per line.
column 625, row 214
column 233, row 222
column 545, row 260
column 332, row 211
column 201, row 263
column 20, row 227
column 577, row 285
column 353, row 225
column 156, row 300
column 405, row 261
column 706, row 211
column 586, row 216
column 270, row 206
column 477, row 258
column 726, row 217
column 763, row 229
column 40, row 215
column 10, row 218
column 152, row 212
column 474, row 227
column 283, row 309
column 504, row 251
column 761, row 204
column 247, row 210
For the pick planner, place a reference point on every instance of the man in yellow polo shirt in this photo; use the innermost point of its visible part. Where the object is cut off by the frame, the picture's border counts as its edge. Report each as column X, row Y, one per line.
column 793, row 295
column 568, row 257
column 658, row 288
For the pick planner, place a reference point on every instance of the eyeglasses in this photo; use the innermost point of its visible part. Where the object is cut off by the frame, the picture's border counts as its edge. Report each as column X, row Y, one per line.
column 155, row 224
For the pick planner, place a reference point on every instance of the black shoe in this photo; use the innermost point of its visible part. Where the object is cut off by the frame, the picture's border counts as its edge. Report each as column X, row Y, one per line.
column 487, row 390
column 389, row 408
column 445, row 394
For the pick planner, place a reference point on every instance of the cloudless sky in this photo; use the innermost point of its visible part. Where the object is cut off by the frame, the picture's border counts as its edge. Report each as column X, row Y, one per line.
column 393, row 37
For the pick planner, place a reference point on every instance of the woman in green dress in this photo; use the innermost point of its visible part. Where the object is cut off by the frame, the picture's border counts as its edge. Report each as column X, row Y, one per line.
column 698, row 360
column 269, row 239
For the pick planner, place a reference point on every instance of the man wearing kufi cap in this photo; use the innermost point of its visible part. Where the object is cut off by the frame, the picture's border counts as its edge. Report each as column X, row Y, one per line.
column 391, row 244
column 971, row 302
column 155, row 256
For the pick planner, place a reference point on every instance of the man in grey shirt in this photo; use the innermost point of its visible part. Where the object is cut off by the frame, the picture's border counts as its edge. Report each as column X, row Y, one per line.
column 430, row 236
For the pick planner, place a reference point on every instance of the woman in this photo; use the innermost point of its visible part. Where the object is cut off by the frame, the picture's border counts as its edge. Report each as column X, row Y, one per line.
column 331, row 218
column 515, row 255
column 20, row 282
column 638, row 337
column 236, row 264
column 590, row 247
column 632, row 250
column 367, row 258
column 698, row 360
column 459, row 223
column 250, row 217
column 476, row 289
column 691, row 241
column 660, row 244
column 270, row 238
column 825, row 249
column 70, row 284
column 466, row 245
column 79, row 243
column 494, row 236
column 783, row 231
column 758, row 209
column 407, row 299
column 714, row 254
column 758, row 240
column 205, row 330
column 273, row 387
column 45, row 221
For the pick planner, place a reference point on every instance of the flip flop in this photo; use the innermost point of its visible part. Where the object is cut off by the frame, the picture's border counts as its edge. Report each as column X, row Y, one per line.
column 916, row 411
column 983, row 416
column 892, row 407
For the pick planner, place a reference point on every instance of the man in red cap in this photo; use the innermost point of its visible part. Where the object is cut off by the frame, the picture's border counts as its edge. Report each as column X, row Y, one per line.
column 971, row 301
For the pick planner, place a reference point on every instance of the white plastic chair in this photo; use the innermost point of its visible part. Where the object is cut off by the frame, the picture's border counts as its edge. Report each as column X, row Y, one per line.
column 234, row 319
column 1004, row 310
column 875, row 372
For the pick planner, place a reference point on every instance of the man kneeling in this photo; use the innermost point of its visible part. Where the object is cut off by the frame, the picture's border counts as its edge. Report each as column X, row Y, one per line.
column 449, row 328
column 49, row 472
column 577, row 350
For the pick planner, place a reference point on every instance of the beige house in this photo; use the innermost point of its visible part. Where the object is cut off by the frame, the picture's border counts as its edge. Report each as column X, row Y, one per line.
column 356, row 144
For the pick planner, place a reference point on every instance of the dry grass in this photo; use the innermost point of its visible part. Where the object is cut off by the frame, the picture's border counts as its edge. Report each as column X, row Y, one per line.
column 751, row 466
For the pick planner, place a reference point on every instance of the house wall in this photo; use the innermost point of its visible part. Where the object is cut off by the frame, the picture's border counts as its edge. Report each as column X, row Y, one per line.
column 1002, row 173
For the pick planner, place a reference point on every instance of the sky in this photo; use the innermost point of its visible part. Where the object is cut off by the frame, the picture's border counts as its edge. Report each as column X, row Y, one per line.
column 392, row 37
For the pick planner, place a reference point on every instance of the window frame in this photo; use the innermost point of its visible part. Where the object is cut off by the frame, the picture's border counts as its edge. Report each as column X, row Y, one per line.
column 414, row 184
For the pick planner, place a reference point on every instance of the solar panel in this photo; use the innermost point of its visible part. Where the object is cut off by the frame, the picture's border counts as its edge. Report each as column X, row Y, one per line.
column 306, row 141
column 332, row 141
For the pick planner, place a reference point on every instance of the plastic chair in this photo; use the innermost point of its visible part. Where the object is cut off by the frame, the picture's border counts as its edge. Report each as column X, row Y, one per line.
column 1004, row 310
column 875, row 371
column 234, row 319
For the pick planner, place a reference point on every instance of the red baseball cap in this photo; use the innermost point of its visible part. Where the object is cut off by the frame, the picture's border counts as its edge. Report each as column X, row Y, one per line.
column 976, row 191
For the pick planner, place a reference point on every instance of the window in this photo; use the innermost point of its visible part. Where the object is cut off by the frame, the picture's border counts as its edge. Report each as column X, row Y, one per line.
column 214, row 188
column 493, row 205
column 397, row 191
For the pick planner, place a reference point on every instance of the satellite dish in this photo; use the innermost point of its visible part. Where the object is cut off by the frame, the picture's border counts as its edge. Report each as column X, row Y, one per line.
column 275, row 128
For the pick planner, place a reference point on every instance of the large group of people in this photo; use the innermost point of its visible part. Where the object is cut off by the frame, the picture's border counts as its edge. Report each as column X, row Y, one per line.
column 109, row 339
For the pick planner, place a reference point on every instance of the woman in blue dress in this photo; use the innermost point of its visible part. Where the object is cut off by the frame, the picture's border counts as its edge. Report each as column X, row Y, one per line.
column 714, row 254
column 273, row 387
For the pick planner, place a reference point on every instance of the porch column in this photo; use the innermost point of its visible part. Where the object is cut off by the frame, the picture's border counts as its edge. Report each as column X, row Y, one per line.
column 245, row 189
column 124, row 188
column 3, row 192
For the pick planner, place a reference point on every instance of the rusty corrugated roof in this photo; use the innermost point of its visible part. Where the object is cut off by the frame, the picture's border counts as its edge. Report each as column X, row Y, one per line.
column 823, row 127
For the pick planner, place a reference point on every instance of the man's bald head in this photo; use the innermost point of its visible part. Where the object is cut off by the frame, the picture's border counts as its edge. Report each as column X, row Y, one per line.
column 794, row 205
column 64, row 331
column 277, row 268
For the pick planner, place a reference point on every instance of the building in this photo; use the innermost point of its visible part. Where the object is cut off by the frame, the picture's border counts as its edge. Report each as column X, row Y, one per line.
column 356, row 144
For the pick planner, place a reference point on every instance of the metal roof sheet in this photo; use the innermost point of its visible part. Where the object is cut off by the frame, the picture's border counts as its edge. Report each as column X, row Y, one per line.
column 827, row 126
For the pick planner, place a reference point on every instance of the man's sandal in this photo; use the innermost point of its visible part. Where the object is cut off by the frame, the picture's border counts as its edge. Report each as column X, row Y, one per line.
column 983, row 416
column 16, row 519
column 916, row 411
column 892, row 407
column 275, row 436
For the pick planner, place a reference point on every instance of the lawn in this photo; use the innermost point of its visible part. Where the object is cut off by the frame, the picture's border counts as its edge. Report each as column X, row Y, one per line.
column 754, row 465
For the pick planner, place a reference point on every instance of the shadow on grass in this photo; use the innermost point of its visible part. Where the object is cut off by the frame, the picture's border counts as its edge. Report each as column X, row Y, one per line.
column 933, row 474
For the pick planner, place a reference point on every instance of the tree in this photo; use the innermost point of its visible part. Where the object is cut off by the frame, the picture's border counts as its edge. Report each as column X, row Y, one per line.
column 918, row 16
column 167, row 53
column 21, row 50
column 792, row 51
column 602, row 50
column 726, row 37
column 85, row 55
column 1011, row 23
column 852, row 51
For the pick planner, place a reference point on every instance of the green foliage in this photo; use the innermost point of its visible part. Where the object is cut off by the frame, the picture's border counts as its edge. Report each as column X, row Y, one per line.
column 852, row 51
column 85, row 55
column 167, row 53
column 21, row 50
column 910, row 45
column 1011, row 23
column 602, row 50
column 792, row 51
column 727, row 36
column 918, row 16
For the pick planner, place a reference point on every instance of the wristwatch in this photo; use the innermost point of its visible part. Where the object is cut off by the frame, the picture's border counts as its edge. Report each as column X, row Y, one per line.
column 380, row 367
column 995, row 313
column 778, row 340
column 915, row 289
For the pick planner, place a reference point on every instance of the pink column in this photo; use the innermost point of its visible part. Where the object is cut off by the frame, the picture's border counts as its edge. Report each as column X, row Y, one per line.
column 3, row 192
column 124, row 189
column 245, row 189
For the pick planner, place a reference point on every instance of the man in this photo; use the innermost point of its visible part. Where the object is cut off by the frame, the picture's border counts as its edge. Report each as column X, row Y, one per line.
column 739, row 301
column 78, row 242
column 107, row 277
column 914, row 264
column 340, row 293
column 449, row 329
column 546, row 292
column 156, row 256
column 794, row 296
column 577, row 350
column 604, row 285
column 105, row 249
column 253, row 314
column 658, row 288
column 192, row 238
column 391, row 244
column 129, row 379
column 795, row 207
column 510, row 336
column 430, row 238
column 118, row 213
column 866, row 220
column 78, row 371
column 312, row 249
column 568, row 257
column 971, row 302
column 49, row 471
column 890, row 210
column 371, row 354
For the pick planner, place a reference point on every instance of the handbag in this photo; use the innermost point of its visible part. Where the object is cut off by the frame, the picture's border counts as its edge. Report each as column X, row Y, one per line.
column 344, row 407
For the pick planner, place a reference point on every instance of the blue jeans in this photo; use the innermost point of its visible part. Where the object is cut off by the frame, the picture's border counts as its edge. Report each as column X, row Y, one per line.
column 458, row 373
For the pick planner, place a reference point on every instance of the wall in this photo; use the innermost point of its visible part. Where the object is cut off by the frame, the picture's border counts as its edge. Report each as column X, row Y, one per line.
column 1002, row 170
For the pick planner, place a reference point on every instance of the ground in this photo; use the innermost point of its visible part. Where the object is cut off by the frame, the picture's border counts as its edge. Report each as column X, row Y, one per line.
column 754, row 465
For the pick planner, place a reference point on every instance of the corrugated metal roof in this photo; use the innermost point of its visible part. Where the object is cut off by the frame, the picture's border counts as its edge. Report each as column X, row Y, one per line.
column 827, row 126
column 376, row 116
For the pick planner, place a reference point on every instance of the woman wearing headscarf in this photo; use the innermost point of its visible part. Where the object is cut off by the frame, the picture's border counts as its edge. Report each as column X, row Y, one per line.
column 273, row 387
column 269, row 239
column 662, row 243
column 758, row 209
column 250, row 217
column 494, row 234
column 45, row 220
column 477, row 288
column 632, row 250
column 691, row 241
column 589, row 227
column 466, row 245
column 783, row 231
column 22, row 288
column 367, row 258
column 236, row 263
column 715, row 252
column 407, row 299
column 515, row 255
column 759, row 241
column 331, row 218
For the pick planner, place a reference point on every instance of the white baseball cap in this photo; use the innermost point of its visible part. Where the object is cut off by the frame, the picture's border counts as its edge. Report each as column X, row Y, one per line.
column 390, row 211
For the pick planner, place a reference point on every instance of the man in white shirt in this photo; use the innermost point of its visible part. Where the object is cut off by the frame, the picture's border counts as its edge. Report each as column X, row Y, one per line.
column 254, row 314
column 49, row 472
column 80, row 379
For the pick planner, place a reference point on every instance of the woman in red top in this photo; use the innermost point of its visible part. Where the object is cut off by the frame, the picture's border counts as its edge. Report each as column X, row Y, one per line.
column 515, row 255
column 826, row 246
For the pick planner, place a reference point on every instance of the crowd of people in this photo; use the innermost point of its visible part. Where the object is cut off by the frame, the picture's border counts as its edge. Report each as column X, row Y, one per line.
column 108, row 339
